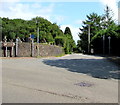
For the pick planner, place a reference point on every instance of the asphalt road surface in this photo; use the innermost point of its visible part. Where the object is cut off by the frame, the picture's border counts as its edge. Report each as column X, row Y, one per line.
column 73, row 78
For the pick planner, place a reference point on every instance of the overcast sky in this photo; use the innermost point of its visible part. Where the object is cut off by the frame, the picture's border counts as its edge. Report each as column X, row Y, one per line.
column 63, row 12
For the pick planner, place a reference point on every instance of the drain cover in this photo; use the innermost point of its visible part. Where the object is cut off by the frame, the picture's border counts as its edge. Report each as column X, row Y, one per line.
column 84, row 84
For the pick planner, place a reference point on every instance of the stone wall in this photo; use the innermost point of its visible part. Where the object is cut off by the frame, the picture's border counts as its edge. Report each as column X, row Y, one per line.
column 47, row 50
column 33, row 50
column 24, row 49
column 1, row 51
column 29, row 49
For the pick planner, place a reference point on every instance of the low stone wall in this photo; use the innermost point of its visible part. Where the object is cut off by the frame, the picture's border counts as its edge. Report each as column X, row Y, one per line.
column 47, row 50
column 1, row 51
column 29, row 49
column 24, row 49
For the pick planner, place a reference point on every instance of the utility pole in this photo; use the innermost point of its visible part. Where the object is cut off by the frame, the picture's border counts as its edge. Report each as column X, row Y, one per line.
column 103, row 44
column 37, row 34
column 37, row 31
column 88, row 39
column 5, row 40
column 37, row 37
column 109, row 38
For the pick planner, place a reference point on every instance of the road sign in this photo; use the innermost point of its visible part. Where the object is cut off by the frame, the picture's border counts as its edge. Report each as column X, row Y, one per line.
column 32, row 36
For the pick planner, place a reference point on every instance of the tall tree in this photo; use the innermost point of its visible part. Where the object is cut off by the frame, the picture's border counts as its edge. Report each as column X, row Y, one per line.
column 70, row 43
column 104, row 33
column 68, row 31
column 100, row 40
column 94, row 23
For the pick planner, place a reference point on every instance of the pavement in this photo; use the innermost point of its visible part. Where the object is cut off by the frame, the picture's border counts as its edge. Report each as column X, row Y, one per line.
column 72, row 78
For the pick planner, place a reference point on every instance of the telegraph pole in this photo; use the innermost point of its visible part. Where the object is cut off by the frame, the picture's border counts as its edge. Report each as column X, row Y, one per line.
column 37, row 37
column 37, row 34
column 109, row 44
column 37, row 31
column 103, row 44
column 88, row 39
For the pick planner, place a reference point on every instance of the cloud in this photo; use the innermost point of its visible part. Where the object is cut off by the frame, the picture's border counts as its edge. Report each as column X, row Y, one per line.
column 10, row 0
column 113, row 5
column 29, row 10
column 25, row 10
column 74, row 30
column 78, row 21
column 50, row 0
column 57, row 18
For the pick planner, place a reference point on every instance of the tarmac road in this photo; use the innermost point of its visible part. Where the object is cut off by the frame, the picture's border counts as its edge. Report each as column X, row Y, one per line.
column 73, row 78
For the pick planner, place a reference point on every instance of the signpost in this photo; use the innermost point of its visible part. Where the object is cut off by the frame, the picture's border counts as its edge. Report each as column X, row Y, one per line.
column 32, row 46
column 16, row 46
column 32, row 36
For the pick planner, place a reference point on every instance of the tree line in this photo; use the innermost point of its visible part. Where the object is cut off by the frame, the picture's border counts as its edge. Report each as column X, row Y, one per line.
column 48, row 32
column 104, row 34
column 100, row 34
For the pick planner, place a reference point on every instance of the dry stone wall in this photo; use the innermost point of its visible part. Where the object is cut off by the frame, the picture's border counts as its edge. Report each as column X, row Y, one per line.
column 35, row 49
column 47, row 50
column 24, row 49
column 1, row 51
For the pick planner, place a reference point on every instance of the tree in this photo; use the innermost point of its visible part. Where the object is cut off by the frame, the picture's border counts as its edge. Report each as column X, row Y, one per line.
column 60, row 41
column 94, row 22
column 108, row 29
column 100, row 26
column 107, row 18
column 68, row 31
column 70, row 43
column 48, row 32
